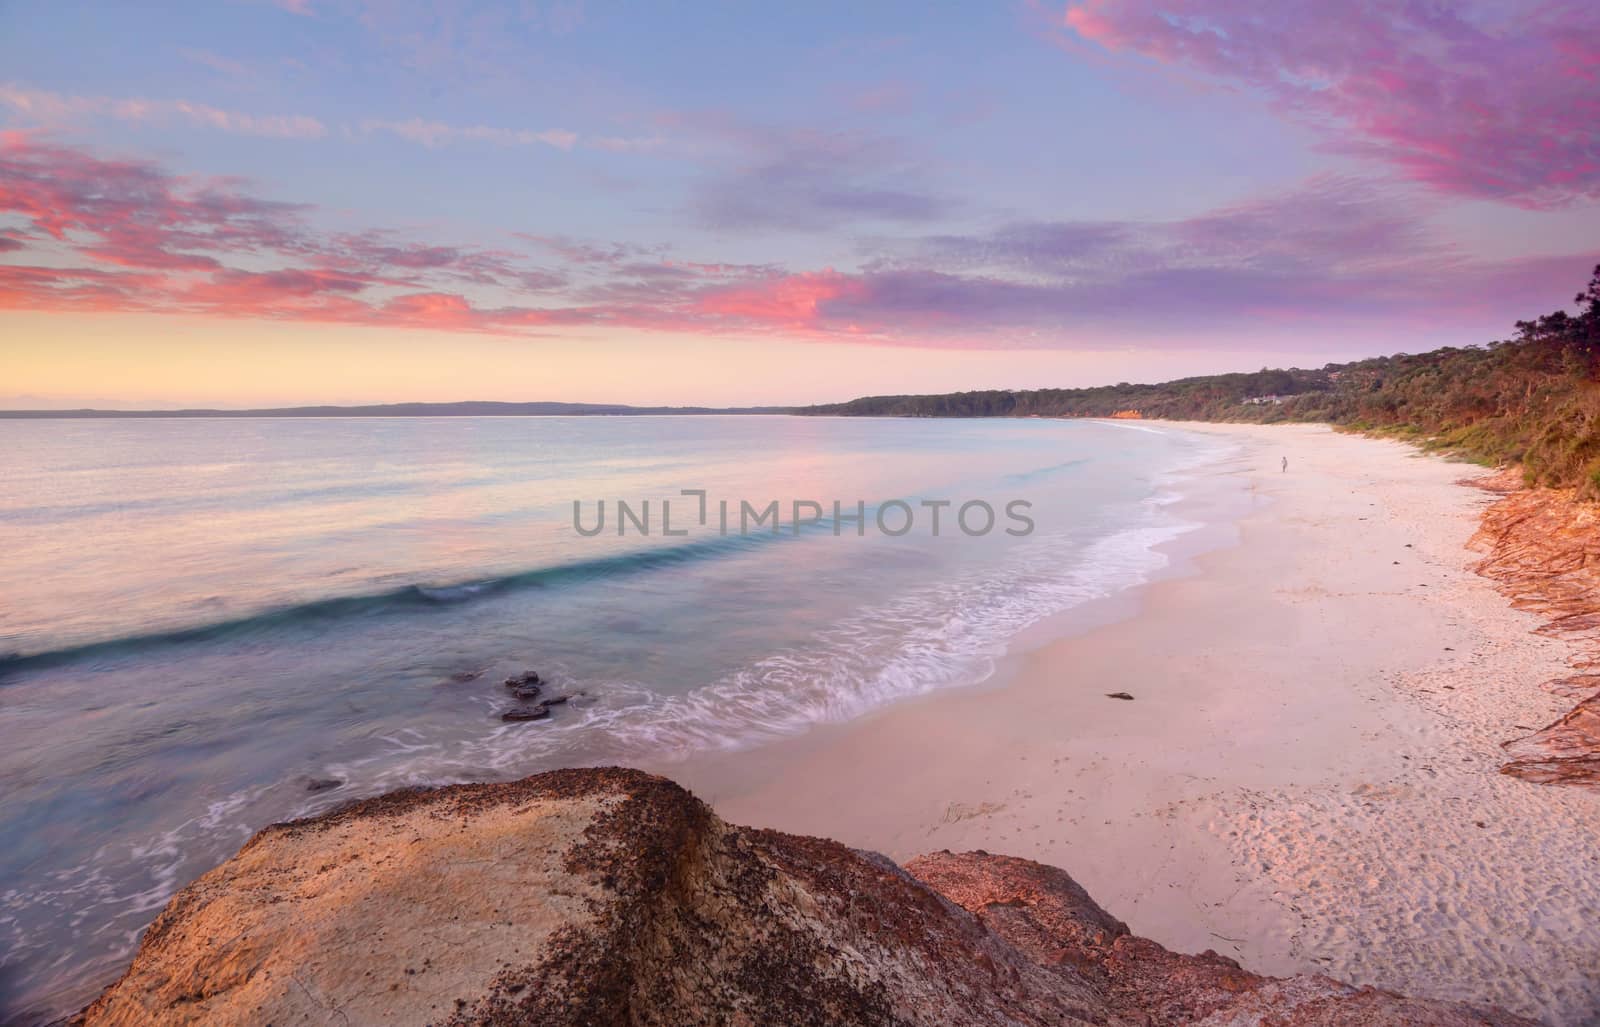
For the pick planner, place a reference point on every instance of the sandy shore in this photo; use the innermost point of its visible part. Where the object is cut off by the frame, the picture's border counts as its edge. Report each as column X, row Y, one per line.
column 1306, row 776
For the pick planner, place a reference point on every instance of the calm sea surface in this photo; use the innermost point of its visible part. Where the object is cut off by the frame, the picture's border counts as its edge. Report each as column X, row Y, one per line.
column 200, row 617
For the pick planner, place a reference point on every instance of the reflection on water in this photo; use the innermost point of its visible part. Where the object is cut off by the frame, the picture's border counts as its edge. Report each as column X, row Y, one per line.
column 206, row 615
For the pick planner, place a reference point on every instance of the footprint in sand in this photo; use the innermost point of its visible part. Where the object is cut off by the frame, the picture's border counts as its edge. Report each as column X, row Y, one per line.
column 959, row 811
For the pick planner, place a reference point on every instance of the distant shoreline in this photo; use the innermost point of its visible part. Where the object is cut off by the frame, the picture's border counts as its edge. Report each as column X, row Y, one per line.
column 467, row 409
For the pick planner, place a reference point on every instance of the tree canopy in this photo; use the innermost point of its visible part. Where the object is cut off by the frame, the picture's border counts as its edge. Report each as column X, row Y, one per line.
column 1532, row 400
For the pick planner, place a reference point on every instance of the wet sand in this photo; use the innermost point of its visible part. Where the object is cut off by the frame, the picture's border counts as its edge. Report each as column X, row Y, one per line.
column 1306, row 776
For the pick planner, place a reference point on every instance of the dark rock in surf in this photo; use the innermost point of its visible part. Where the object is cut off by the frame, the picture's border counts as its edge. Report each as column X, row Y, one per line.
column 1119, row 695
column 519, row 713
column 461, row 677
column 556, row 700
column 322, row 784
column 527, row 693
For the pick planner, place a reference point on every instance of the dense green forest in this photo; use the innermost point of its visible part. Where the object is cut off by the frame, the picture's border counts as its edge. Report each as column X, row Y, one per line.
column 1533, row 400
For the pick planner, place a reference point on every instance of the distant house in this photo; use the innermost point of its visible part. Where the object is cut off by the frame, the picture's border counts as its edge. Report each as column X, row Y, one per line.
column 1128, row 415
column 1259, row 400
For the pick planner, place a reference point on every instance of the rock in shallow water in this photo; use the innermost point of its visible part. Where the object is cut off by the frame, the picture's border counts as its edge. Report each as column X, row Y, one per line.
column 539, row 712
column 608, row 896
column 528, row 679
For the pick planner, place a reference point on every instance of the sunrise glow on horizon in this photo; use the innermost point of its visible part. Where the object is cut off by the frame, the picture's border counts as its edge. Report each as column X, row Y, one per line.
column 320, row 201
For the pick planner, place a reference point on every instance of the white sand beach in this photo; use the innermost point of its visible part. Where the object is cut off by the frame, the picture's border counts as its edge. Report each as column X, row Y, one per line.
column 1306, row 778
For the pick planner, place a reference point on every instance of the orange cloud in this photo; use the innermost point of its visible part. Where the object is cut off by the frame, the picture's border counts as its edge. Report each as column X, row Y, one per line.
column 792, row 301
column 121, row 235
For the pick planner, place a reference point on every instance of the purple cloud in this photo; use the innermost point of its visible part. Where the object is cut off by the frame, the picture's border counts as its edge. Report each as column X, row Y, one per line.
column 807, row 181
column 1332, row 251
column 1327, row 224
column 1479, row 99
column 1332, row 254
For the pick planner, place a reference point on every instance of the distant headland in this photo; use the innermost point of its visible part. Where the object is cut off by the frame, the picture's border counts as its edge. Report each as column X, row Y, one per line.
column 474, row 408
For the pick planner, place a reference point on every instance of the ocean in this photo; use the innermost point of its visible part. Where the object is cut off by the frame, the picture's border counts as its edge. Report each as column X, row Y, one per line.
column 208, row 625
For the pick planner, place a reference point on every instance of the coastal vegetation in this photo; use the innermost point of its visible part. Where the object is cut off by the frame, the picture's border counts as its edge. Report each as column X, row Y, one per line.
column 1531, row 401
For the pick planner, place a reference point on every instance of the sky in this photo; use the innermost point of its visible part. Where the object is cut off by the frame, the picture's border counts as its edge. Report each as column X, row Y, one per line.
column 246, row 203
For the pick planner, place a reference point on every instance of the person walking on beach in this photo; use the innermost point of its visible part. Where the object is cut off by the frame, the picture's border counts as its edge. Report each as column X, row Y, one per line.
column 1285, row 465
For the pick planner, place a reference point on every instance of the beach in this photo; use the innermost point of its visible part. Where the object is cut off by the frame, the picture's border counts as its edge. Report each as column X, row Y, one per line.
column 1306, row 776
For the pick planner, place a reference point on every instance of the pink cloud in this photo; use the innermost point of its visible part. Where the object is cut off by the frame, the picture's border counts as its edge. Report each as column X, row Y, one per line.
column 25, row 287
column 797, row 301
column 1474, row 99
column 162, row 242
column 51, row 109
column 55, row 107
column 888, row 97
column 1333, row 253
column 433, row 134
column 139, row 214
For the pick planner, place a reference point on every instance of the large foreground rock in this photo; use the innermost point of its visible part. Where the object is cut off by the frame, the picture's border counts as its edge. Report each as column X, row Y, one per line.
column 613, row 897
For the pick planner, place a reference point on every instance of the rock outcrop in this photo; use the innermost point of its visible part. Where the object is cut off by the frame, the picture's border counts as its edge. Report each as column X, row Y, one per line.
column 613, row 897
column 1543, row 552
